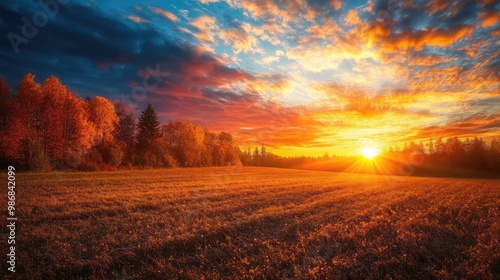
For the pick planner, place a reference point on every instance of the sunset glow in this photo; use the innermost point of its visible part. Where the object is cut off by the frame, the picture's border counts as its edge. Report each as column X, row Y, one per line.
column 250, row 139
column 299, row 77
column 370, row 152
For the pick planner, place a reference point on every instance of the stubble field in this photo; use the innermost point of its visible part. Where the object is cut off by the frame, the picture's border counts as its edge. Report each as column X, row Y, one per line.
column 253, row 223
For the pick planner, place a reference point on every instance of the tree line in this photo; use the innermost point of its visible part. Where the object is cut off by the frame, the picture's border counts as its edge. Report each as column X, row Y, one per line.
column 452, row 156
column 48, row 126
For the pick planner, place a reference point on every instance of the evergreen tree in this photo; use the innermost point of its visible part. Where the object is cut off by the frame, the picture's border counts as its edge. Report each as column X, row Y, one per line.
column 263, row 151
column 149, row 126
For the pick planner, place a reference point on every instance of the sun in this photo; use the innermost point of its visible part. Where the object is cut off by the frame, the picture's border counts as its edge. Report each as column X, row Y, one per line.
column 370, row 152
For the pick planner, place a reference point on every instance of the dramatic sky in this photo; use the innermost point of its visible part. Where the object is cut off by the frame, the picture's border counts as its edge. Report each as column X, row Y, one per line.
column 299, row 76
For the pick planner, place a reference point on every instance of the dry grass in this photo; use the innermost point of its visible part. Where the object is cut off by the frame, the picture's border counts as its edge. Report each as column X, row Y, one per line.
column 255, row 223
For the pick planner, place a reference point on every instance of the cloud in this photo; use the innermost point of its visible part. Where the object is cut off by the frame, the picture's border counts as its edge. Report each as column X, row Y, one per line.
column 241, row 38
column 261, row 8
column 427, row 37
column 436, row 6
column 185, row 14
column 137, row 19
column 326, row 30
column 489, row 18
column 209, row 1
column 166, row 14
column 206, row 28
column 327, row 45
column 430, row 60
column 336, row 4
column 478, row 125
column 273, row 33
column 269, row 60
column 352, row 18
column 124, row 52
column 286, row 12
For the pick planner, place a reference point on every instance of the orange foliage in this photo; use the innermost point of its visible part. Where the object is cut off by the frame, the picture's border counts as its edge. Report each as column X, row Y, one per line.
column 54, row 95
column 103, row 115
column 11, row 128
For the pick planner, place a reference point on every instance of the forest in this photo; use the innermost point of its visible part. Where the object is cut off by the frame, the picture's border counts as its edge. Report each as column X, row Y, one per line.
column 469, row 157
column 47, row 127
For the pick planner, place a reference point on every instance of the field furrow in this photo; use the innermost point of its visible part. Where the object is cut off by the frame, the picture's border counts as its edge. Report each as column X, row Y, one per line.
column 256, row 223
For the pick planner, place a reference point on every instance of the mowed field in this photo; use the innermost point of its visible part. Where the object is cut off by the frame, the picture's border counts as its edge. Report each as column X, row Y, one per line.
column 254, row 223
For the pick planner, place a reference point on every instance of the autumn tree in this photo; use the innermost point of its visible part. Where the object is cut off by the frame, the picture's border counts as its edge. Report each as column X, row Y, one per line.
column 192, row 144
column 209, row 142
column 125, row 128
column 244, row 156
column 440, row 148
column 123, row 148
column 78, row 130
column 52, row 124
column 104, row 118
column 476, row 153
column 51, row 127
column 225, row 153
column 186, row 143
column 11, row 128
column 494, row 154
column 6, row 115
column 30, row 99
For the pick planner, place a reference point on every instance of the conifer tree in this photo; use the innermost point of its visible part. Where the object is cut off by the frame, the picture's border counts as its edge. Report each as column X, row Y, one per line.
column 149, row 126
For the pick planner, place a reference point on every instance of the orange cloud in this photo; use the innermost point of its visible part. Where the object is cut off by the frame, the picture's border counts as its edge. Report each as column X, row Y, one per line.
column 328, row 30
column 164, row 13
column 316, row 58
column 475, row 48
column 292, row 11
column 496, row 34
column 241, row 39
column 207, row 26
column 276, row 126
column 336, row 4
column 489, row 18
column 137, row 19
column 482, row 125
column 268, row 84
column 480, row 78
column 271, row 32
column 486, row 2
column 430, row 60
column 259, row 8
column 352, row 18
column 429, row 37
column 436, row 6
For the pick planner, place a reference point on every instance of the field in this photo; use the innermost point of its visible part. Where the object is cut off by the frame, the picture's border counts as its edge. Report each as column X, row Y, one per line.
column 254, row 223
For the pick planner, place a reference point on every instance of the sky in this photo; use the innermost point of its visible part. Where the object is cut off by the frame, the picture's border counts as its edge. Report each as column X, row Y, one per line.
column 302, row 77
